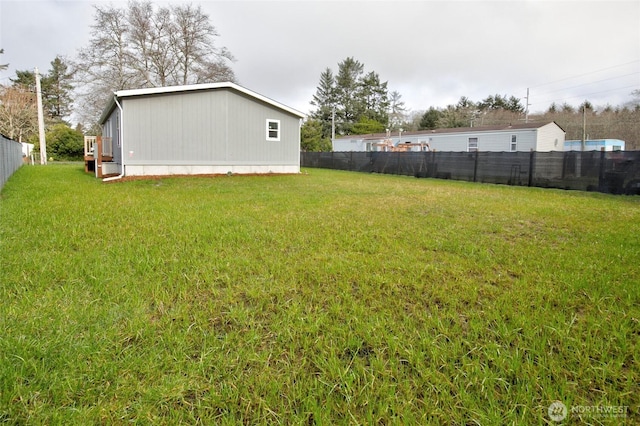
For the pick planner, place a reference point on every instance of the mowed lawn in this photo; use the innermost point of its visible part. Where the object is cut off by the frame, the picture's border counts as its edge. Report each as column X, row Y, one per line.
column 322, row 298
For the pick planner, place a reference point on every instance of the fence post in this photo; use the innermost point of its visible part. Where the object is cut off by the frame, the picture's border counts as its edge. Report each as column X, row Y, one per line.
column 601, row 180
column 532, row 159
column 475, row 167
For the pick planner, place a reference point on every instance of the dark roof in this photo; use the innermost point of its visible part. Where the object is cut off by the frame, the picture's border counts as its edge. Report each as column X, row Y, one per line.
column 521, row 126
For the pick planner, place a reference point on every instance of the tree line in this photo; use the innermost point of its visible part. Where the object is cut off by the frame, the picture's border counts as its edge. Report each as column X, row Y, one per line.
column 350, row 102
column 354, row 102
column 144, row 45
column 140, row 45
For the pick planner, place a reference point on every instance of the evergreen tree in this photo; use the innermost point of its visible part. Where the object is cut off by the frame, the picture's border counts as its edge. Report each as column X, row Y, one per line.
column 25, row 79
column 56, row 88
column 3, row 66
column 312, row 139
column 374, row 98
column 349, row 104
column 452, row 116
column 586, row 106
column 513, row 104
column 353, row 96
column 57, row 97
column 430, row 119
column 366, row 125
column 324, row 100
column 497, row 102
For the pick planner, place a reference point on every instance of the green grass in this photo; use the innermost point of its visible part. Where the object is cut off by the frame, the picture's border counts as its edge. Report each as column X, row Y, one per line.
column 322, row 298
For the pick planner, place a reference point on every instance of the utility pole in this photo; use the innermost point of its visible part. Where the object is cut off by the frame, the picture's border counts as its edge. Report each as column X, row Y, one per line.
column 333, row 124
column 43, row 142
column 584, row 125
column 526, row 109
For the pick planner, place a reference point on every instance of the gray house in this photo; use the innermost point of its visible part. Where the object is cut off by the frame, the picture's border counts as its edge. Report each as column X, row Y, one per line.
column 507, row 138
column 197, row 129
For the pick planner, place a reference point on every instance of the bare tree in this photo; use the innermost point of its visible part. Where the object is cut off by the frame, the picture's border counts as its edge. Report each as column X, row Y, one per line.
column 193, row 45
column 149, row 38
column 148, row 46
column 101, row 67
column 397, row 110
column 18, row 113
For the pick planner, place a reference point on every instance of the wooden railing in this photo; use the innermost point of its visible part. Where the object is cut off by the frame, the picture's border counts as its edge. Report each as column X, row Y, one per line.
column 95, row 143
column 90, row 145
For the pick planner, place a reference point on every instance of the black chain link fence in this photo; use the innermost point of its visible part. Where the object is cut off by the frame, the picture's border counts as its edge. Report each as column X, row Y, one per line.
column 615, row 172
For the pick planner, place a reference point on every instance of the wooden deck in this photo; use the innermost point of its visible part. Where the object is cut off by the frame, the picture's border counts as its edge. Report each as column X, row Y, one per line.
column 93, row 162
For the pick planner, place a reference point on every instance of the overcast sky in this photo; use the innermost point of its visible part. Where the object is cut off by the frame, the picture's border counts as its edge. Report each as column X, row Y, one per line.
column 432, row 52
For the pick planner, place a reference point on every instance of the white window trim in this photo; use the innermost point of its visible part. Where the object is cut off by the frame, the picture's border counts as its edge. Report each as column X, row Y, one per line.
column 118, row 129
column 269, row 138
column 513, row 143
column 469, row 148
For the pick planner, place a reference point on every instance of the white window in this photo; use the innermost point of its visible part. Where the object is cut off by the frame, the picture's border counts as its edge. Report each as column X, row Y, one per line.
column 273, row 130
column 472, row 146
column 107, row 129
column 514, row 143
column 118, row 129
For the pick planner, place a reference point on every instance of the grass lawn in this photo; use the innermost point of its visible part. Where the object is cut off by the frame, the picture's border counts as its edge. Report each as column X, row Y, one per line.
column 322, row 298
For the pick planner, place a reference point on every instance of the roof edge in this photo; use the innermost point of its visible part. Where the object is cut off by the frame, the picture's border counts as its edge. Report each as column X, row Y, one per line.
column 440, row 131
column 207, row 86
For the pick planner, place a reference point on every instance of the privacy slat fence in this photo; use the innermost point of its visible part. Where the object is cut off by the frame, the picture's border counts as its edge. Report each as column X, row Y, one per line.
column 610, row 172
column 10, row 158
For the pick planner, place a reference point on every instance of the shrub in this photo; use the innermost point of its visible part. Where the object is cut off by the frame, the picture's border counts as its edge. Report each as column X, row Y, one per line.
column 65, row 143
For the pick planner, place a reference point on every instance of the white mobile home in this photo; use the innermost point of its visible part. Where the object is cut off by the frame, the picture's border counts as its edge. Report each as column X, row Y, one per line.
column 511, row 138
column 594, row 145
column 198, row 129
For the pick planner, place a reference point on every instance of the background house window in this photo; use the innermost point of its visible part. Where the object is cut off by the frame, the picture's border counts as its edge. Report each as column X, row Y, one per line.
column 514, row 143
column 472, row 146
column 273, row 130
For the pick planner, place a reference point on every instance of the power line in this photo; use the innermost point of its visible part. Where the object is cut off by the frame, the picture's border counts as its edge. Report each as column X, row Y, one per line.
column 593, row 82
column 587, row 73
column 587, row 94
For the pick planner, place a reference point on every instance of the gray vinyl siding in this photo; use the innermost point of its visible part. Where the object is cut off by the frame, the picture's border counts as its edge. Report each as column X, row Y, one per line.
column 111, row 128
column 206, row 127
column 248, row 135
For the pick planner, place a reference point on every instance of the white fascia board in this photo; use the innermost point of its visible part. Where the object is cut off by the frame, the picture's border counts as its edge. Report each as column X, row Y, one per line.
column 106, row 112
column 209, row 86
